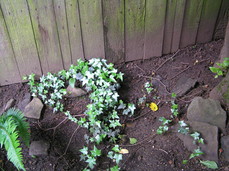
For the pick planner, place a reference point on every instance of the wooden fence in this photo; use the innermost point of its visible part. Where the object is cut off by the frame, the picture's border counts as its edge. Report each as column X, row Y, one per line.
column 37, row 36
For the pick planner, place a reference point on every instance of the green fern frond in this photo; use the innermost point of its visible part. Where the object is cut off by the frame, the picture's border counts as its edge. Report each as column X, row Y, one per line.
column 9, row 138
column 22, row 125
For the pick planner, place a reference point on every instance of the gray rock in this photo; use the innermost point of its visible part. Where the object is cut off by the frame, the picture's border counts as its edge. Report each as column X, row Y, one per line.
column 225, row 147
column 39, row 148
column 33, row 109
column 75, row 92
column 184, row 85
column 210, row 135
column 208, row 111
column 9, row 104
column 26, row 99
column 221, row 92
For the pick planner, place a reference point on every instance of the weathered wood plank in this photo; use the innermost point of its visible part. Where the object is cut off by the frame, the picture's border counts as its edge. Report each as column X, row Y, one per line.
column 74, row 29
column 191, row 22
column 169, row 25
column 208, row 19
column 92, row 28
column 154, row 28
column 62, row 27
column 178, row 22
column 113, row 12
column 134, row 29
column 9, row 72
column 18, row 22
column 46, row 35
column 222, row 20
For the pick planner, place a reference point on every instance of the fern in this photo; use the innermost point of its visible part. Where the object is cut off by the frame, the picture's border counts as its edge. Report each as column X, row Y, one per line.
column 13, row 125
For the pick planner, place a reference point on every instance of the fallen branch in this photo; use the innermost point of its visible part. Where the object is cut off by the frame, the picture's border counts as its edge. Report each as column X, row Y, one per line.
column 167, row 60
column 69, row 142
column 180, row 72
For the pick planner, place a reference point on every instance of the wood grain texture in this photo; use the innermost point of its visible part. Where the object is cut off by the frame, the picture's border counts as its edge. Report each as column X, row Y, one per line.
column 9, row 72
column 169, row 25
column 207, row 21
column 113, row 12
column 191, row 22
column 62, row 27
column 92, row 28
column 178, row 23
column 134, row 29
column 46, row 35
column 18, row 22
column 74, row 28
column 222, row 20
column 154, row 28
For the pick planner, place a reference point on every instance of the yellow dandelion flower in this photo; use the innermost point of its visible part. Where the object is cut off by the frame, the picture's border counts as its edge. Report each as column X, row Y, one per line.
column 153, row 107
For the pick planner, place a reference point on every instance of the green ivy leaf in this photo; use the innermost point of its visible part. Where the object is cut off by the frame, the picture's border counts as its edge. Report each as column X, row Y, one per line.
column 96, row 152
column 72, row 82
column 133, row 140
column 114, row 168
column 209, row 164
column 116, row 148
column 184, row 161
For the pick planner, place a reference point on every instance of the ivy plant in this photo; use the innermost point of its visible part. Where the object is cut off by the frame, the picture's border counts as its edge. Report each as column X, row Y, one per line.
column 221, row 69
column 102, row 117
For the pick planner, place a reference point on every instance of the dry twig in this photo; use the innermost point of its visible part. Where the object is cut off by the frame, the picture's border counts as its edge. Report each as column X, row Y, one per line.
column 167, row 60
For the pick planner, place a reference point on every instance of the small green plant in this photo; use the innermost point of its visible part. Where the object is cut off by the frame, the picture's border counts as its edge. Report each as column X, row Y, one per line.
column 149, row 87
column 174, row 106
column 115, row 156
column 183, row 128
column 222, row 68
column 164, row 128
column 197, row 152
column 90, row 157
column 13, row 126
column 209, row 164
column 133, row 140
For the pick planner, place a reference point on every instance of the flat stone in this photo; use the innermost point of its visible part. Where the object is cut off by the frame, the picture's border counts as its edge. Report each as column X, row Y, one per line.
column 39, row 148
column 225, row 147
column 33, row 109
column 75, row 92
column 9, row 104
column 208, row 111
column 26, row 99
column 184, row 85
column 210, row 135
column 221, row 92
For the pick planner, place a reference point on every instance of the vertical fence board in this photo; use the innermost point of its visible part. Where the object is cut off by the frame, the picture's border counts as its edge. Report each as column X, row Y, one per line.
column 9, row 72
column 191, row 22
column 74, row 30
column 169, row 25
column 92, row 28
column 45, row 30
column 154, row 28
column 62, row 27
column 134, row 29
column 20, row 31
column 177, row 27
column 208, row 20
column 113, row 11
column 222, row 20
